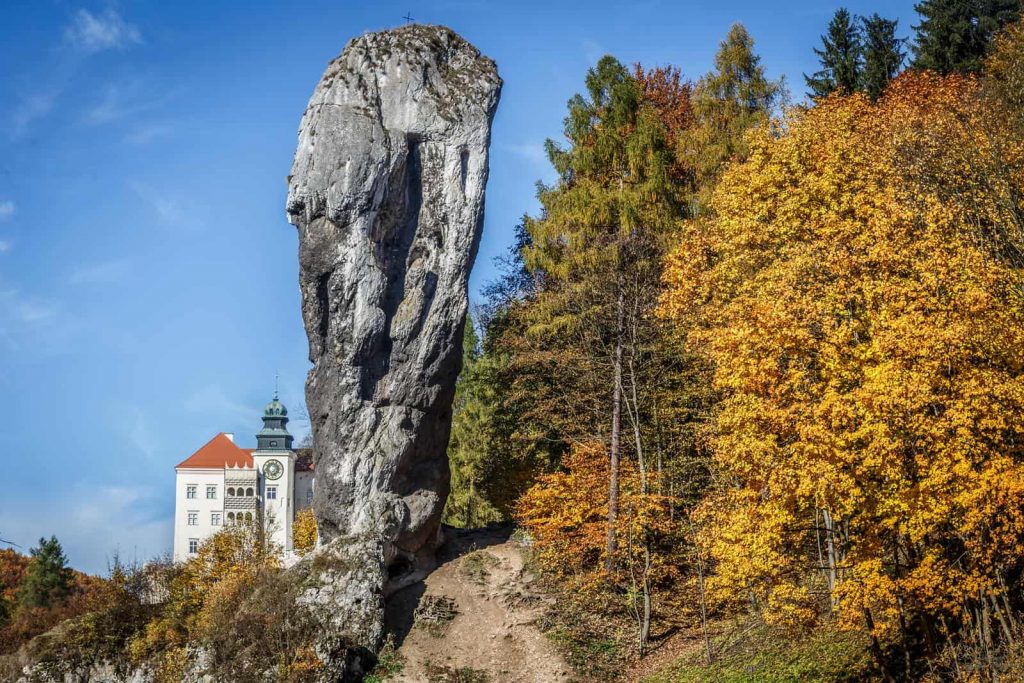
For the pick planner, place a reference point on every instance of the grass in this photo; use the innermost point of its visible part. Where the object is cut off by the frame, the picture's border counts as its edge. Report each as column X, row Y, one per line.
column 389, row 663
column 768, row 655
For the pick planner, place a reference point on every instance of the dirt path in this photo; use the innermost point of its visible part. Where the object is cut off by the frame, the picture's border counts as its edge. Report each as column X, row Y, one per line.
column 476, row 618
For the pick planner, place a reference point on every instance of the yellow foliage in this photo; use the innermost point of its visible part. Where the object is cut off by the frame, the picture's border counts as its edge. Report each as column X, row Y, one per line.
column 304, row 533
column 857, row 287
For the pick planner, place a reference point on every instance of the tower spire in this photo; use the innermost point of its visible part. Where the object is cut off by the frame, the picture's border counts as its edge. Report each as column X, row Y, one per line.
column 276, row 378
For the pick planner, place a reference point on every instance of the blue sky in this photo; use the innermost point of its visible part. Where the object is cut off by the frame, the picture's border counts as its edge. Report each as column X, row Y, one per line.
column 148, row 277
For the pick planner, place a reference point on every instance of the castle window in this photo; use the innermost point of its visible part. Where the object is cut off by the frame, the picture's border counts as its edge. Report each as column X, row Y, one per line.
column 190, row 491
column 215, row 518
column 211, row 492
column 193, row 546
column 249, row 492
column 271, row 493
column 231, row 491
column 193, row 517
column 231, row 518
column 248, row 516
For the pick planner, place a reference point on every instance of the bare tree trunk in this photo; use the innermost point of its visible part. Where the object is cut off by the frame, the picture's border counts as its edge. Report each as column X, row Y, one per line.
column 645, row 626
column 613, row 479
column 703, row 603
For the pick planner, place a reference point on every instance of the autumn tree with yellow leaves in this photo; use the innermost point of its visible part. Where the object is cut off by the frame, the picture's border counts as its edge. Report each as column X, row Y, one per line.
column 856, row 285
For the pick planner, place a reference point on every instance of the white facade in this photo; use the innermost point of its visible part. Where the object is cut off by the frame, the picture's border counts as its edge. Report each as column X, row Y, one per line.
column 222, row 484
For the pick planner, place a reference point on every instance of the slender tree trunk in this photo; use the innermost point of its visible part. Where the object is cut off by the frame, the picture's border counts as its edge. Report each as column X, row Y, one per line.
column 613, row 479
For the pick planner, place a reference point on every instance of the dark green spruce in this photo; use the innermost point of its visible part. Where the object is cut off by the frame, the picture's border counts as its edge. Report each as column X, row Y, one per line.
column 883, row 54
column 840, row 57
column 48, row 579
column 954, row 35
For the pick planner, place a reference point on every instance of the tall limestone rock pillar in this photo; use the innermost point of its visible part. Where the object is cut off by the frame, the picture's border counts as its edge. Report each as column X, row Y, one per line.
column 387, row 193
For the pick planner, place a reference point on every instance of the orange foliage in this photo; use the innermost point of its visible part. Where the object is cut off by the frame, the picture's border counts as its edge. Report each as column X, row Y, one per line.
column 566, row 515
column 858, row 291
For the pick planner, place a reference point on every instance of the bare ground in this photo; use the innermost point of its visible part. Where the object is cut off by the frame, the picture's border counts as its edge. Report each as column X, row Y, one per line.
column 477, row 618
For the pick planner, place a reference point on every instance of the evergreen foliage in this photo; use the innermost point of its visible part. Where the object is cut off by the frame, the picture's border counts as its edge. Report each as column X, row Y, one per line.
column 841, row 57
column 469, row 446
column 883, row 55
column 727, row 102
column 954, row 35
column 48, row 579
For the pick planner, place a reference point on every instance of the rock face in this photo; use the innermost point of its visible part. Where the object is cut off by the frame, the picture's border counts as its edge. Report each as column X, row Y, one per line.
column 387, row 193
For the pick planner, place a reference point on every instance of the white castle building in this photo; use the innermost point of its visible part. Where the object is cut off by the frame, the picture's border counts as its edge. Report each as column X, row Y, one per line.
column 222, row 484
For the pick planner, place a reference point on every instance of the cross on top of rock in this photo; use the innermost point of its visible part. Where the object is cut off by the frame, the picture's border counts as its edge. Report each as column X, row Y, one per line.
column 408, row 18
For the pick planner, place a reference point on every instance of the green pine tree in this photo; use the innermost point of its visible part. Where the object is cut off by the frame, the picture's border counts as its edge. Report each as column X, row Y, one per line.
column 954, row 35
column 48, row 578
column 469, row 446
column 883, row 54
column 840, row 57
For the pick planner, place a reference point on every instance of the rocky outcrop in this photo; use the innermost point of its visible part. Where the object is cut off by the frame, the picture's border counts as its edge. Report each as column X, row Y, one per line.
column 387, row 193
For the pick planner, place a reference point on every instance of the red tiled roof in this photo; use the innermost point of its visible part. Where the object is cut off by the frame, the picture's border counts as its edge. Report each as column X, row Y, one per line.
column 220, row 451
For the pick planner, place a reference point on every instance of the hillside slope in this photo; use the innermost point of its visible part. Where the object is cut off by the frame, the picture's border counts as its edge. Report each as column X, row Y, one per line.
column 474, row 618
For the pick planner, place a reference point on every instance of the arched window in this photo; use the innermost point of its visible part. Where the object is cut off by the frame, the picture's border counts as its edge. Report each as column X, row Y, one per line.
column 231, row 518
column 248, row 516
column 249, row 491
column 231, row 491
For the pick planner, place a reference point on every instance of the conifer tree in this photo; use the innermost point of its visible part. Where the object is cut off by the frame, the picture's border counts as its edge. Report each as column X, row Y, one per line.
column 469, row 446
column 954, row 35
column 48, row 579
column 727, row 102
column 840, row 56
column 883, row 54
column 597, row 247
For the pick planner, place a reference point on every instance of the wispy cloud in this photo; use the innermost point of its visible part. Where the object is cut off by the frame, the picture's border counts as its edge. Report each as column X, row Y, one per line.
column 7, row 209
column 530, row 151
column 25, row 319
column 147, row 133
column 121, row 101
column 5, row 246
column 168, row 210
column 212, row 400
column 93, row 522
column 593, row 51
column 31, row 108
column 99, row 273
column 91, row 33
column 140, row 435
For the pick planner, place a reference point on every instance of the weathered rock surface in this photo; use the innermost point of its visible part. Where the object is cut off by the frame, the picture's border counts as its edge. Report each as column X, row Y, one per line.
column 387, row 193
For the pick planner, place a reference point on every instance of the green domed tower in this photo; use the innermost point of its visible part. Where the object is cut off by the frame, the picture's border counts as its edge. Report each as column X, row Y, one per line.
column 274, row 436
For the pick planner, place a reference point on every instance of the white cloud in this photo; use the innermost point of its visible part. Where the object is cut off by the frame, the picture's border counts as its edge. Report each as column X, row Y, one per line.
column 92, row 33
column 99, row 273
column 5, row 246
column 7, row 209
column 93, row 523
